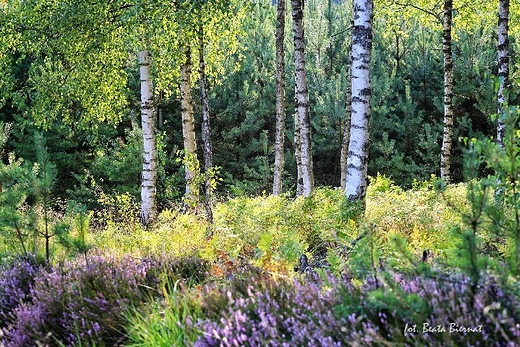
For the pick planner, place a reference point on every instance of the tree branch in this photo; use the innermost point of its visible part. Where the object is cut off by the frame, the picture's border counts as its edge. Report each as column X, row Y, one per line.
column 431, row 12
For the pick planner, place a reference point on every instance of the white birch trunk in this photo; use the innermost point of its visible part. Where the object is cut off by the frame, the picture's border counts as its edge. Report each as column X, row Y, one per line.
column 206, row 130
column 447, row 135
column 280, row 101
column 149, row 176
column 361, row 91
column 191, row 165
column 302, row 98
column 503, row 66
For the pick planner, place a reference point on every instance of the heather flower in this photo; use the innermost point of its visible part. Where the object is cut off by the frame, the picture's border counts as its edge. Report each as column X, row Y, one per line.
column 85, row 300
column 277, row 314
column 16, row 278
column 336, row 313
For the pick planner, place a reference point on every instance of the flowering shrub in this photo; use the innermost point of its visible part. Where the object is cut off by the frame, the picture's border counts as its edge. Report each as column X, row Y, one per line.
column 487, row 315
column 16, row 279
column 393, row 309
column 270, row 313
column 82, row 299
column 162, row 271
column 85, row 301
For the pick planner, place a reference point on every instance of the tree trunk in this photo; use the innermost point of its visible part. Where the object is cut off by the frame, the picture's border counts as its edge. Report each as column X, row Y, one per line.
column 302, row 98
column 330, row 50
column 191, row 164
column 206, row 130
column 149, row 177
column 361, row 91
column 503, row 66
column 346, row 132
column 280, row 101
column 447, row 136
column 298, row 155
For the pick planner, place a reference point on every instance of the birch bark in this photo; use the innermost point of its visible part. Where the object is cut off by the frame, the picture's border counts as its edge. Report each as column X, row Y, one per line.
column 302, row 99
column 191, row 164
column 149, row 175
column 503, row 66
column 298, row 156
column 447, row 135
column 361, row 91
column 206, row 130
column 280, row 101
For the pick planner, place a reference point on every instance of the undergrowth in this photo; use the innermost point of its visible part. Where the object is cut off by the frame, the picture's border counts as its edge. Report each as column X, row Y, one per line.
column 368, row 282
column 432, row 265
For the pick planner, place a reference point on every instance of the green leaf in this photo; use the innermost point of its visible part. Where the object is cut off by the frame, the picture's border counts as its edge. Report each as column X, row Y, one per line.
column 265, row 242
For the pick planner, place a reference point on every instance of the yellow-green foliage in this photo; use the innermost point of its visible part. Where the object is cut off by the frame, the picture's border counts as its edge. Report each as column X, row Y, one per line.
column 422, row 216
column 273, row 231
column 278, row 228
column 258, row 229
column 175, row 234
column 264, row 230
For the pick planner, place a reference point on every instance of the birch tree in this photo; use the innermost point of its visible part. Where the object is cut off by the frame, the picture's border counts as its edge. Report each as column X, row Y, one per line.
column 77, row 74
column 179, row 29
column 305, row 175
column 503, row 66
column 361, row 91
column 211, row 27
column 191, row 163
column 206, row 129
column 175, row 35
column 447, row 134
column 146, row 21
column 442, row 12
column 280, row 100
column 445, row 17
column 149, row 175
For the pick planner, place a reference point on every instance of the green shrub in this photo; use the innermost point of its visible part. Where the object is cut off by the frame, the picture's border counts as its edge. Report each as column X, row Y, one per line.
column 174, row 233
column 420, row 216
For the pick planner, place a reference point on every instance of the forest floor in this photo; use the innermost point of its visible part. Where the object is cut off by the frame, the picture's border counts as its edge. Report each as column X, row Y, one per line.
column 403, row 274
